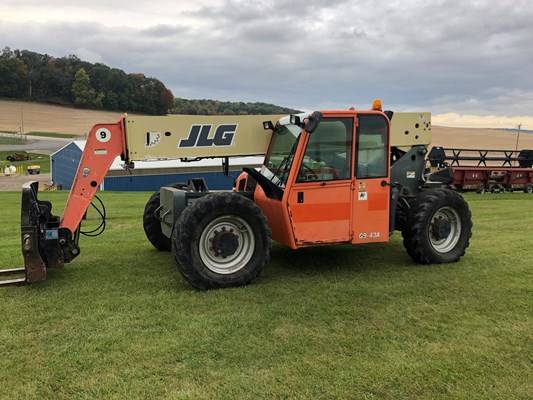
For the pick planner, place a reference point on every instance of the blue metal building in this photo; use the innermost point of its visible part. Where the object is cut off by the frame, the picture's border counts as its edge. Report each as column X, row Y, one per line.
column 147, row 175
column 214, row 180
column 64, row 164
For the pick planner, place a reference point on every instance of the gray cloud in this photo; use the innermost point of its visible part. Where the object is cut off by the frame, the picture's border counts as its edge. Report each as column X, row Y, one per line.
column 448, row 56
column 164, row 31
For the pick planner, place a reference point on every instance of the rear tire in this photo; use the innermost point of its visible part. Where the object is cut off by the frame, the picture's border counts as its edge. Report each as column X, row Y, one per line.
column 528, row 188
column 439, row 227
column 221, row 240
column 152, row 225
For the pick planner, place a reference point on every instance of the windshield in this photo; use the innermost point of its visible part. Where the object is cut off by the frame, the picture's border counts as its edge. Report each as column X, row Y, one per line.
column 281, row 153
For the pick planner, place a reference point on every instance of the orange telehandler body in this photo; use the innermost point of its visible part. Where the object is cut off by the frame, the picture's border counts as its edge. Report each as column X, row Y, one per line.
column 326, row 179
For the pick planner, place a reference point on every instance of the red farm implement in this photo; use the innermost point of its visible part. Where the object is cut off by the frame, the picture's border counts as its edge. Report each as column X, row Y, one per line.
column 486, row 170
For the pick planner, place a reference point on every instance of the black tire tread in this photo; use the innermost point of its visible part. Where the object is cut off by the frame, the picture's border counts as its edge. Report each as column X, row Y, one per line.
column 187, row 230
column 415, row 230
column 152, row 226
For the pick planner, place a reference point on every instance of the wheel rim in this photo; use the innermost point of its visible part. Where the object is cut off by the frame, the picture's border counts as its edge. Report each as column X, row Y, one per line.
column 445, row 219
column 226, row 244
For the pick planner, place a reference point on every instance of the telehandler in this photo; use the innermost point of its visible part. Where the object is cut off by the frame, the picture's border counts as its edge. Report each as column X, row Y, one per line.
column 329, row 177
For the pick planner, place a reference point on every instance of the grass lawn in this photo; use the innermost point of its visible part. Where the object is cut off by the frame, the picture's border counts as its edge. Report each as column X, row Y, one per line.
column 36, row 159
column 339, row 322
column 53, row 134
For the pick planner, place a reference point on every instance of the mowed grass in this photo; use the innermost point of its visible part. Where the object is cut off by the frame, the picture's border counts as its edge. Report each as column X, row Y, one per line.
column 53, row 134
column 333, row 322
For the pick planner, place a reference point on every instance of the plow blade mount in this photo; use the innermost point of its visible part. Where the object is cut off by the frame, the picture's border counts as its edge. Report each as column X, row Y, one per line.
column 43, row 243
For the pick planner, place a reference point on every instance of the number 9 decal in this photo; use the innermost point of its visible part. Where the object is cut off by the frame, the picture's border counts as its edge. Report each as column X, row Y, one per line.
column 103, row 135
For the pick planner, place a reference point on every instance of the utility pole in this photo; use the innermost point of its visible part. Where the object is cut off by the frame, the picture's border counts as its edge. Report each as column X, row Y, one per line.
column 517, row 137
column 21, row 119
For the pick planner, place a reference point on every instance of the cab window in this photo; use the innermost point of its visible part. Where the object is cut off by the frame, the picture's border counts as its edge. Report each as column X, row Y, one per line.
column 372, row 147
column 328, row 153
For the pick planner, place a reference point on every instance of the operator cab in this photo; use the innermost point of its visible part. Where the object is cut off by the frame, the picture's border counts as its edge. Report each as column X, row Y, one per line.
column 329, row 184
column 329, row 150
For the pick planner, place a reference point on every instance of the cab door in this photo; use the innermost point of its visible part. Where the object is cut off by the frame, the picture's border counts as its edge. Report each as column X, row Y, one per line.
column 320, row 198
column 371, row 201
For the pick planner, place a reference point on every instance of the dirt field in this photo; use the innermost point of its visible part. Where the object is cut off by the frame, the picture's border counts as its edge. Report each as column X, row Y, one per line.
column 475, row 138
column 48, row 118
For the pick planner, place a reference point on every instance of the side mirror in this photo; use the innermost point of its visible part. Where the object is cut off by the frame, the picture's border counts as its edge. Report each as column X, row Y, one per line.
column 309, row 123
column 295, row 120
column 312, row 122
column 268, row 125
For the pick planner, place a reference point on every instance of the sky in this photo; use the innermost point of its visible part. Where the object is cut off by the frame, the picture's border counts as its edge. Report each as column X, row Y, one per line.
column 468, row 62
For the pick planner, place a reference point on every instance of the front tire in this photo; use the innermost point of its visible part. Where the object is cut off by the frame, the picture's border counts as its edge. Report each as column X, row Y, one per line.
column 439, row 227
column 221, row 240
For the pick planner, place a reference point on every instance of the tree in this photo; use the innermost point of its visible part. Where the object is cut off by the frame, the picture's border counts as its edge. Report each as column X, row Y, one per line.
column 68, row 80
column 84, row 94
column 110, row 101
column 13, row 75
column 214, row 107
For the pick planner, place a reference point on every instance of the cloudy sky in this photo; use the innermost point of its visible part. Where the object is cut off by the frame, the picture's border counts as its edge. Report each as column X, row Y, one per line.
column 469, row 62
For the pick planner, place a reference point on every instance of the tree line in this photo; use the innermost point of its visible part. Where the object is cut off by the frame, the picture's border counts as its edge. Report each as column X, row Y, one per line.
column 70, row 81
column 216, row 107
column 28, row 75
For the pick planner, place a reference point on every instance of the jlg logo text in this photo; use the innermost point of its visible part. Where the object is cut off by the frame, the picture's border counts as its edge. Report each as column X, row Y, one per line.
column 199, row 136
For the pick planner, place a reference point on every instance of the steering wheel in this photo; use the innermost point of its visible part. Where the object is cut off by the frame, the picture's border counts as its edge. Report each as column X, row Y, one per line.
column 311, row 170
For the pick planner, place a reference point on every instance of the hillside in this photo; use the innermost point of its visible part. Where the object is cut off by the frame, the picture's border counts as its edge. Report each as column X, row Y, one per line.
column 28, row 75
column 49, row 118
column 216, row 107
column 478, row 138
column 39, row 117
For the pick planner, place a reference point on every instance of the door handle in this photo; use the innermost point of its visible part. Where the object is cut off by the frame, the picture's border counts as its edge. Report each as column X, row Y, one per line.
column 385, row 183
column 300, row 197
